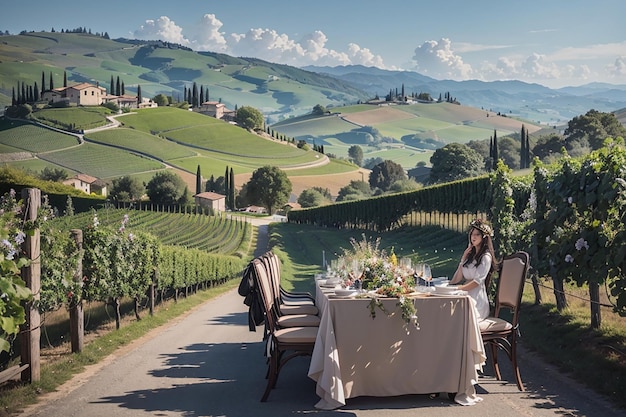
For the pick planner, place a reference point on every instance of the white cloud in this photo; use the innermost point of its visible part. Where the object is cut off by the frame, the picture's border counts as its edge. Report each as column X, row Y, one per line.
column 437, row 59
column 208, row 36
column 618, row 68
column 266, row 44
column 163, row 29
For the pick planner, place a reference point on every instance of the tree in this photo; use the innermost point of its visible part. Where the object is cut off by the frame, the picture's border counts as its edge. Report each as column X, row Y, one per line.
column 165, row 187
column 126, row 189
column 249, row 118
column 160, row 100
column 355, row 190
column 385, row 174
column 198, row 180
column 454, row 162
column 139, row 99
column 319, row 110
column 355, row 152
column 53, row 174
column 231, row 189
column 549, row 147
column 595, row 127
column 310, row 198
column 270, row 187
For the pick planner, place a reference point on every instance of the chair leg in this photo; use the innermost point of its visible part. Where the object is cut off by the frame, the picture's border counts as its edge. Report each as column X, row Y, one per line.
column 272, row 374
column 518, row 377
column 494, row 361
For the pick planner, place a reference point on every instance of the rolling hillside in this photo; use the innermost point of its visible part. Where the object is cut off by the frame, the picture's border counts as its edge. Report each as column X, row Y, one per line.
column 277, row 90
column 166, row 138
column 416, row 129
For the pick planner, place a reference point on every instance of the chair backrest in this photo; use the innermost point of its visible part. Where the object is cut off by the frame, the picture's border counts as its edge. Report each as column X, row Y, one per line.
column 267, row 296
column 513, row 271
column 273, row 275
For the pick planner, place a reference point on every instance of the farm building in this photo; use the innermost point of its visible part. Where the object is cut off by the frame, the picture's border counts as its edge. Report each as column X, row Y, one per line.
column 217, row 110
column 87, row 184
column 214, row 201
column 83, row 94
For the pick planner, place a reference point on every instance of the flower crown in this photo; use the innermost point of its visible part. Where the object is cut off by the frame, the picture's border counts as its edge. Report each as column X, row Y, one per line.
column 482, row 226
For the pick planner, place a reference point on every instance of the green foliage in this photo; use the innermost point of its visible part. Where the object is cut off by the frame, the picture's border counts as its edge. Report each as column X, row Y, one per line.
column 53, row 174
column 318, row 110
column 355, row 152
column 166, row 188
column 270, row 187
column 161, row 100
column 311, row 198
column 355, row 190
column 249, row 118
column 127, row 189
column 454, row 162
column 385, row 174
column 12, row 287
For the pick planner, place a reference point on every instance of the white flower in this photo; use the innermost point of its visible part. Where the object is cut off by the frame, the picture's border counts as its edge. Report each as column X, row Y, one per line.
column 581, row 243
column 19, row 237
column 570, row 200
column 569, row 258
column 547, row 239
column 621, row 181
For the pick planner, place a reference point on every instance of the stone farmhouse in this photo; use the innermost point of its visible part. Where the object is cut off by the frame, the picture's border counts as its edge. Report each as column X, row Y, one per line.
column 214, row 201
column 87, row 184
column 86, row 94
column 217, row 110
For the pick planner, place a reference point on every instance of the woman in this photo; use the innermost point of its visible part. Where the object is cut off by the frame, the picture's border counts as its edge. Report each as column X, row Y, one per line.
column 477, row 262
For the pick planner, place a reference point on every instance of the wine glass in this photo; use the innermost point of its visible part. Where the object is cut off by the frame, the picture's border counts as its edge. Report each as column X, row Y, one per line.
column 357, row 272
column 418, row 273
column 427, row 276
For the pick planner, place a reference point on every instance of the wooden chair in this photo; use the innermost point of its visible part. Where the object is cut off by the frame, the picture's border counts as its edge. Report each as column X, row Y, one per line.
column 498, row 333
column 283, row 344
column 287, row 303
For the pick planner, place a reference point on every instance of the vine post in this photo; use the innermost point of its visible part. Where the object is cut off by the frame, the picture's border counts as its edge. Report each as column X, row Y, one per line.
column 77, row 322
column 31, row 274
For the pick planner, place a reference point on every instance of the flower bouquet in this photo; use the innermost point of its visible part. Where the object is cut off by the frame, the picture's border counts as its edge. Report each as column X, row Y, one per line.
column 379, row 274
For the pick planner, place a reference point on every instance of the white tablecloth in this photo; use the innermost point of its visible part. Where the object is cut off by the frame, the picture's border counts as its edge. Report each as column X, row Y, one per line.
column 356, row 355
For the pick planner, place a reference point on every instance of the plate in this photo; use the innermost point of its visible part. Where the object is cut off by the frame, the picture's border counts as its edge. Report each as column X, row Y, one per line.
column 344, row 292
column 446, row 289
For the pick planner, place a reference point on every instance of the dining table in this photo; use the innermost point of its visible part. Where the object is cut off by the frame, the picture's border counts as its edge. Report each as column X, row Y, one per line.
column 360, row 351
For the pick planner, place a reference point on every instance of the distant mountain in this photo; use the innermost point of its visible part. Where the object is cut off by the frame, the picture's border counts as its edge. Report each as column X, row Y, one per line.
column 530, row 101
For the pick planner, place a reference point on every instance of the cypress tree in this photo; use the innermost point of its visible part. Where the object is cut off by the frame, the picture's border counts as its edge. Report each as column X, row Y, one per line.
column 64, row 78
column 13, row 99
column 527, row 150
column 36, row 92
column 198, row 180
column 23, row 99
column 231, row 191
column 51, row 82
column 118, row 87
column 201, row 94
column 522, row 153
column 495, row 148
column 112, row 87
column 139, row 99
column 43, row 82
column 195, row 95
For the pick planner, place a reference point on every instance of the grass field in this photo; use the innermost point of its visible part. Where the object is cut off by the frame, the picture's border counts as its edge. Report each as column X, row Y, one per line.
column 31, row 138
column 101, row 161
column 445, row 122
column 81, row 118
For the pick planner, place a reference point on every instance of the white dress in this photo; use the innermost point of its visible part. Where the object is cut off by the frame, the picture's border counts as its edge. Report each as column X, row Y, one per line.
column 478, row 273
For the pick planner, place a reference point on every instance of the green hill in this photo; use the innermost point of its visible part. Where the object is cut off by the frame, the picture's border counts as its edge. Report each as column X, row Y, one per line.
column 412, row 131
column 161, row 68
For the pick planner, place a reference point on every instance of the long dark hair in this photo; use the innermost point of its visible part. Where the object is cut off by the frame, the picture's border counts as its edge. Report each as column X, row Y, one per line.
column 485, row 247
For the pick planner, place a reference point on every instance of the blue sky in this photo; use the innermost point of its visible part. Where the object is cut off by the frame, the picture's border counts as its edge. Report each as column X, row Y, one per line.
column 555, row 43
